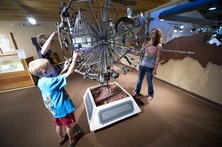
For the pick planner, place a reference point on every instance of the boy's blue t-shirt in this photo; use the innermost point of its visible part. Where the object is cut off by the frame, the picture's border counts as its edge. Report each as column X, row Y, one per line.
column 55, row 97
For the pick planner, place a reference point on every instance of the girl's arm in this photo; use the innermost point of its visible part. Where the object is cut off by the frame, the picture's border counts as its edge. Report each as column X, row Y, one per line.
column 159, row 48
column 138, row 52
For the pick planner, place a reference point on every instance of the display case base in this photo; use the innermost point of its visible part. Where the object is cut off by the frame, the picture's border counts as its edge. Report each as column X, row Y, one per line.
column 100, row 116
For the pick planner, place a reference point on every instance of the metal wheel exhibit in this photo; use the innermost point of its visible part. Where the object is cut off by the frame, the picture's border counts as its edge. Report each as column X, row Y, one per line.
column 101, row 37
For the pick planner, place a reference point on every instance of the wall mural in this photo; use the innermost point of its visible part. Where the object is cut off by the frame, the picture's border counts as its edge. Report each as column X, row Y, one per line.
column 195, row 47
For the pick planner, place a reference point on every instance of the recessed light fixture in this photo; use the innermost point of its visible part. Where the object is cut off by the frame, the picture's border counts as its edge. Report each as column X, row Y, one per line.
column 129, row 12
column 213, row 7
column 141, row 14
column 178, row 28
column 175, row 30
column 193, row 30
column 31, row 20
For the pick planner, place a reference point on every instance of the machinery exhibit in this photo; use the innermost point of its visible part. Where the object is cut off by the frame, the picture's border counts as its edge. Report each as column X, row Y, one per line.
column 103, row 37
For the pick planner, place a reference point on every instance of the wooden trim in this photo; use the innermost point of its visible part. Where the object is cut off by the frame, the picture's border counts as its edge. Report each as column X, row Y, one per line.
column 13, row 40
column 18, row 79
column 8, row 90
column 11, row 54
column 15, row 80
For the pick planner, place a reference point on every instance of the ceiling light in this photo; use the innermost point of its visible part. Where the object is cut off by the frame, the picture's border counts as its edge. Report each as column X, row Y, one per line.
column 144, row 17
column 111, row 22
column 129, row 12
column 178, row 28
column 175, row 29
column 193, row 30
column 31, row 20
column 213, row 7
column 181, row 27
column 141, row 14
column 201, row 30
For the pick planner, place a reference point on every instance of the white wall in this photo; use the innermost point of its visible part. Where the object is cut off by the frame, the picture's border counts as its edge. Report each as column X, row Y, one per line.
column 23, row 35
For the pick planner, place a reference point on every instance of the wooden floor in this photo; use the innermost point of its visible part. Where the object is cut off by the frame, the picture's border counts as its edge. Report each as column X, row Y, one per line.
column 171, row 119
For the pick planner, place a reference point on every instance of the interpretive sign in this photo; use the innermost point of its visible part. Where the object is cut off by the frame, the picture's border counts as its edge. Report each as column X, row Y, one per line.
column 115, row 112
column 195, row 47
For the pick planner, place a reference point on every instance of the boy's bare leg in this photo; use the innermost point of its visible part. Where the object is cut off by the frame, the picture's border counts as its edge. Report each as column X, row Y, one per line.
column 69, row 132
column 59, row 132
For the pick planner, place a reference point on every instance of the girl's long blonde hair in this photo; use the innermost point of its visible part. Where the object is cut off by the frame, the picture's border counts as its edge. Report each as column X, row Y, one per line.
column 158, row 37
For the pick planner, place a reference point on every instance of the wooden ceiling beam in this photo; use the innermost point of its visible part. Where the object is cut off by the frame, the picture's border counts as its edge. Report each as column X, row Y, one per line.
column 49, row 9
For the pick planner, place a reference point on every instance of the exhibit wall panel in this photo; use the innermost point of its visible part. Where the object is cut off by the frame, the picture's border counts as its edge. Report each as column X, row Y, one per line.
column 188, row 62
column 188, row 74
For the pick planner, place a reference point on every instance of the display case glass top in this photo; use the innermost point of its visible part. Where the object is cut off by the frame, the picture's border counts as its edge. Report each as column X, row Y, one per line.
column 10, row 64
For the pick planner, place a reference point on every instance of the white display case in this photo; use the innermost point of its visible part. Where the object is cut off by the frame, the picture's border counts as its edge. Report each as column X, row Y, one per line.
column 106, row 114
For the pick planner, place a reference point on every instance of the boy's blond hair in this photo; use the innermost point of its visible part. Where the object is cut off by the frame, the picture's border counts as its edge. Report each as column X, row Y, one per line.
column 41, row 39
column 37, row 66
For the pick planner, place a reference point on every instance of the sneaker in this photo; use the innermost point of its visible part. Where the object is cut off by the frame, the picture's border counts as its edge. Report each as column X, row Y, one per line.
column 65, row 138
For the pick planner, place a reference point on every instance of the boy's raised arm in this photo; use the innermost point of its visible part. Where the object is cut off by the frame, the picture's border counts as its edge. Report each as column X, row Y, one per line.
column 47, row 45
column 72, row 65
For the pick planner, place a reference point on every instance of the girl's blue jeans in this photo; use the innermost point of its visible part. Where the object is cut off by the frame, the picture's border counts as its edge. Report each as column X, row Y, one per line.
column 149, row 77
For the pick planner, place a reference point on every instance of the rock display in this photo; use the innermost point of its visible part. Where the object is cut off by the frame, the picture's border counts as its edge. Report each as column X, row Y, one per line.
column 107, row 94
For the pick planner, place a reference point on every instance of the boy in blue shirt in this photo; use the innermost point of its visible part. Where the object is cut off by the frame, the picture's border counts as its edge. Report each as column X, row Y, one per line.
column 55, row 98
